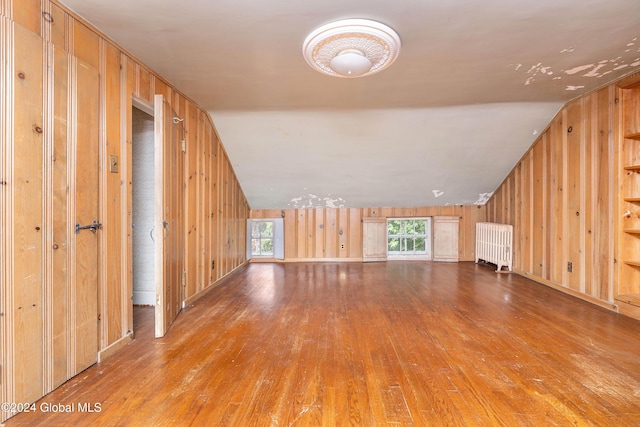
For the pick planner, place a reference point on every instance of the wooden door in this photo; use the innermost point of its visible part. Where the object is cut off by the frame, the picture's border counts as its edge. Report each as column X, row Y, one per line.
column 50, row 167
column 374, row 239
column 22, row 215
column 445, row 238
column 169, row 170
column 87, row 214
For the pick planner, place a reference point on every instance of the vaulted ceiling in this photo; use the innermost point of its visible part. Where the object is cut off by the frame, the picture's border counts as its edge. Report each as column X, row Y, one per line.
column 473, row 86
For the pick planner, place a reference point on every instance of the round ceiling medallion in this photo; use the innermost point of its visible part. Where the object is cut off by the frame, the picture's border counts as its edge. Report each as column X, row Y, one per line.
column 351, row 48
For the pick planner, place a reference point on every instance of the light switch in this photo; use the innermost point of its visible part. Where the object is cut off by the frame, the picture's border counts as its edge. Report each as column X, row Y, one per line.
column 113, row 163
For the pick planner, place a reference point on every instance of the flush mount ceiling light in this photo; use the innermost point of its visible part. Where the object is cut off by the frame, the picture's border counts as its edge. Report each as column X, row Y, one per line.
column 351, row 48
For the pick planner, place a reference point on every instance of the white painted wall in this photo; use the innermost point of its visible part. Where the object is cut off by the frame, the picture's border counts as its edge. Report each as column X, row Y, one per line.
column 401, row 157
column 144, row 265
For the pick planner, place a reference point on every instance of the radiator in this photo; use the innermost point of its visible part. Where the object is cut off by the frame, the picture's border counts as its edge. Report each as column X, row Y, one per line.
column 494, row 244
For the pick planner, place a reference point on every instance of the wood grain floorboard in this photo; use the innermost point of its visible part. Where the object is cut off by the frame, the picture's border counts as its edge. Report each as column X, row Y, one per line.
column 338, row 344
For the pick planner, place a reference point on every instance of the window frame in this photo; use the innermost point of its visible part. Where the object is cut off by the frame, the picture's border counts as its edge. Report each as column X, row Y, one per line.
column 261, row 237
column 278, row 239
column 417, row 255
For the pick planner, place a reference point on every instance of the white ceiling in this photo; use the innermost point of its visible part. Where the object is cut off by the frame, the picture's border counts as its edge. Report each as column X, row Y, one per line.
column 474, row 84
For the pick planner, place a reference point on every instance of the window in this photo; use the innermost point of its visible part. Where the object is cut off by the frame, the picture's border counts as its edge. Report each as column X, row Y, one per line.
column 262, row 238
column 409, row 238
column 265, row 238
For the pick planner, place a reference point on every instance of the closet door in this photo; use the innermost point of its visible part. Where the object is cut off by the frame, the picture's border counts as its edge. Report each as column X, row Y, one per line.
column 85, row 192
column 49, row 217
column 170, row 248
column 23, row 212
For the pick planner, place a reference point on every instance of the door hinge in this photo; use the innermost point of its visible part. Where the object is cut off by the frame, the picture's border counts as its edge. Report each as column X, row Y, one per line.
column 184, row 279
column 184, row 146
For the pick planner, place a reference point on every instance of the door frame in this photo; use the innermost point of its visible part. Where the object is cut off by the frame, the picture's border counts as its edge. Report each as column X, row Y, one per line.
column 147, row 108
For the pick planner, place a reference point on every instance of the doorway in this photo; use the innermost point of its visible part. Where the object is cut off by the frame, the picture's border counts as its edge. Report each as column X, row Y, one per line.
column 144, row 234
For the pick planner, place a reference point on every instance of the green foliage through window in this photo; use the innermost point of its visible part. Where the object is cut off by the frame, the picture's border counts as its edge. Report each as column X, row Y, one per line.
column 407, row 236
column 261, row 238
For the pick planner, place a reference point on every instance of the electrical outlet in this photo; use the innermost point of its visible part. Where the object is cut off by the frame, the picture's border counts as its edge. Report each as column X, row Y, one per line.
column 570, row 267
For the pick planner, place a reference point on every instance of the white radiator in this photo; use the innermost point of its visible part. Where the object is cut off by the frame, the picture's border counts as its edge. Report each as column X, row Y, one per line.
column 494, row 244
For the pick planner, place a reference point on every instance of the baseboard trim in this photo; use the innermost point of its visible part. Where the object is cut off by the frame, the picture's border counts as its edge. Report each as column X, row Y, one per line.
column 601, row 303
column 323, row 259
column 218, row 282
column 113, row 348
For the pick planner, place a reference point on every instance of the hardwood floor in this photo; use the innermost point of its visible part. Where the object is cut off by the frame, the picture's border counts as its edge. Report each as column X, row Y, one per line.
column 397, row 343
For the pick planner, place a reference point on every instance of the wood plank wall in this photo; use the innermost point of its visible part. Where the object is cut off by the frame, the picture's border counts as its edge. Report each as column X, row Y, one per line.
column 561, row 200
column 41, row 39
column 335, row 234
column 6, row 209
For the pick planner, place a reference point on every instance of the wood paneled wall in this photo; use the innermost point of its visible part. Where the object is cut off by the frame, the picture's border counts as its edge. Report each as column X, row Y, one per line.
column 40, row 44
column 560, row 198
column 335, row 234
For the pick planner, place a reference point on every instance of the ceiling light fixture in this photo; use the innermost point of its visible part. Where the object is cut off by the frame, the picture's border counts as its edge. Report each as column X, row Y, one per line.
column 351, row 48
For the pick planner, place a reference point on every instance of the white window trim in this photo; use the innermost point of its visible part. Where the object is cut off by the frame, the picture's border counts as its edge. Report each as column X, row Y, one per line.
column 278, row 239
column 261, row 238
column 428, row 256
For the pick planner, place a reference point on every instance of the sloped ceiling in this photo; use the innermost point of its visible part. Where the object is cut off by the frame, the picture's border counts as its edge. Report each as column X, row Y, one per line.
column 475, row 83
